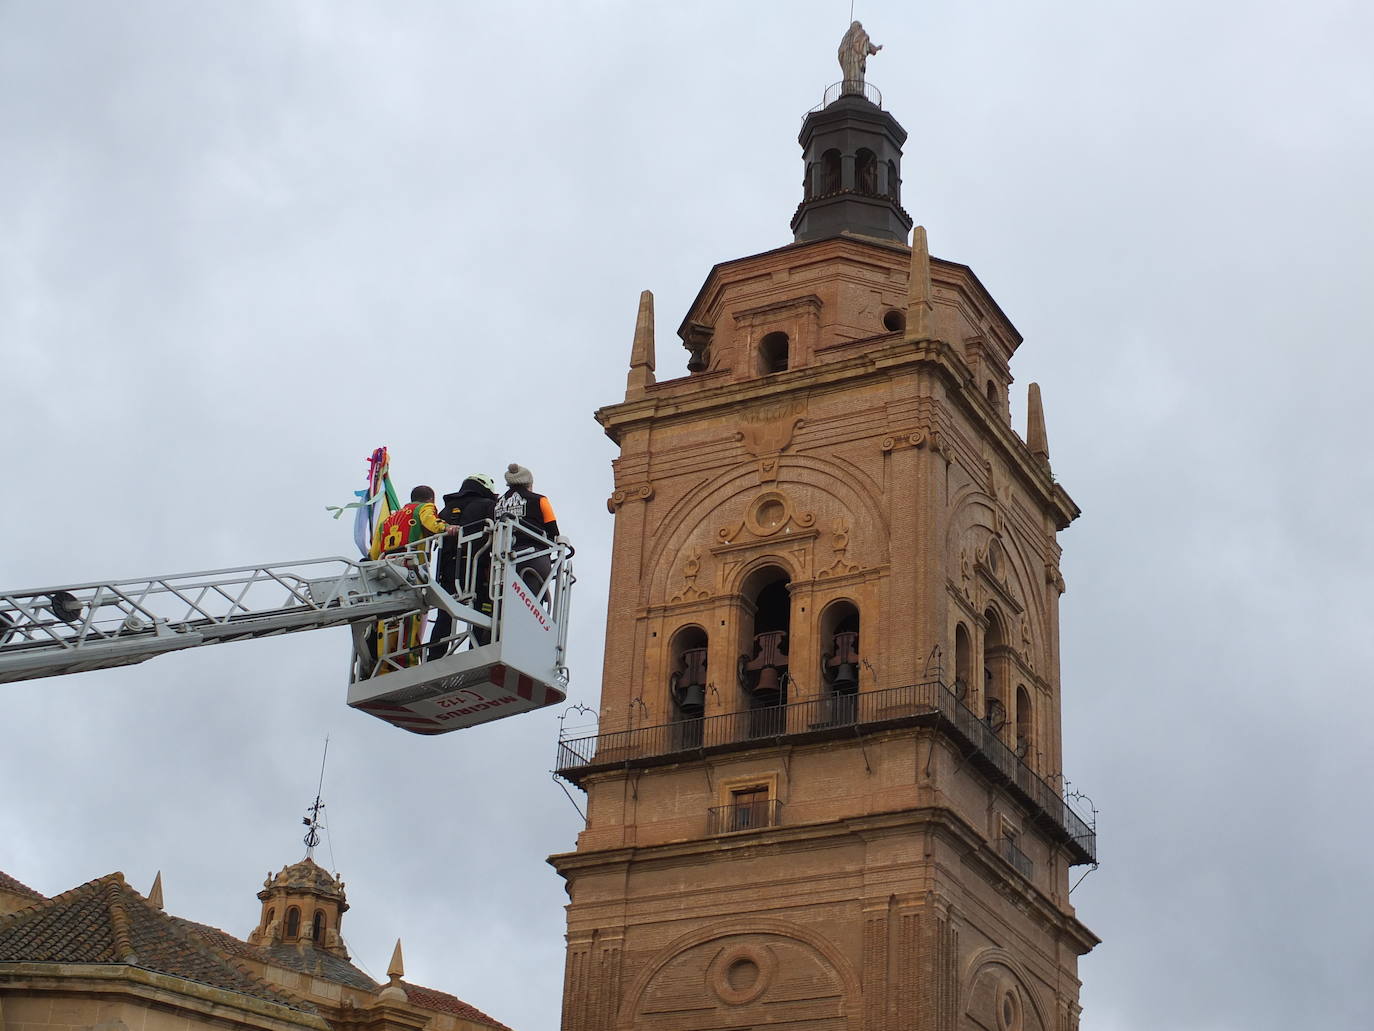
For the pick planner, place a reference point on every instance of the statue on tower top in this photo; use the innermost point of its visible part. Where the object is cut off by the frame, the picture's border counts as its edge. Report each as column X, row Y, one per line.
column 854, row 51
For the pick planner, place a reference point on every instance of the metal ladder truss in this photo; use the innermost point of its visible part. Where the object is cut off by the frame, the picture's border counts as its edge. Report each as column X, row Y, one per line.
column 49, row 631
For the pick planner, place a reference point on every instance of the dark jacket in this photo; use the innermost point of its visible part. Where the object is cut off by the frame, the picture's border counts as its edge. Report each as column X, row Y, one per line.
column 531, row 509
column 470, row 506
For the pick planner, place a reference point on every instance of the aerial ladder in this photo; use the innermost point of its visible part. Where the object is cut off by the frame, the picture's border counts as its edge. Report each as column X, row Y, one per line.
column 497, row 663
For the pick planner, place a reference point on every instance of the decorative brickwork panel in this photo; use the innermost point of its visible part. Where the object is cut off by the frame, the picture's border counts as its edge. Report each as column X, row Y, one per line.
column 743, row 981
column 591, row 986
column 1000, row 1000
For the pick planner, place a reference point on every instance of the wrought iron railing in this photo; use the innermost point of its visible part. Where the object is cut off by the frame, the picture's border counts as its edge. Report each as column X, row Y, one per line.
column 1006, row 848
column 930, row 702
column 848, row 88
column 744, row 816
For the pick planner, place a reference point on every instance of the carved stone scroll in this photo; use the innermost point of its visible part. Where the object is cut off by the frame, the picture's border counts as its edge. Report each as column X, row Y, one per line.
column 640, row 492
column 921, row 437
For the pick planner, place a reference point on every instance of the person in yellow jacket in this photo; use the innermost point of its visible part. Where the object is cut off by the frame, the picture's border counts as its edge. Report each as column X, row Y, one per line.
column 408, row 524
column 399, row 639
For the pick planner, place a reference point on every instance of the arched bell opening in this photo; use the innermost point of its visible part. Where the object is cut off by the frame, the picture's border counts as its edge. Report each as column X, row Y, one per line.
column 1024, row 723
column 995, row 709
column 866, row 171
column 293, row 923
column 841, row 660
column 963, row 661
column 687, row 683
column 317, row 926
column 830, row 172
column 763, row 669
column 894, row 182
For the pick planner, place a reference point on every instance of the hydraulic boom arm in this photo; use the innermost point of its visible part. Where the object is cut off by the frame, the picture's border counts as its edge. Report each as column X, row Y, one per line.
column 54, row 630
column 497, row 646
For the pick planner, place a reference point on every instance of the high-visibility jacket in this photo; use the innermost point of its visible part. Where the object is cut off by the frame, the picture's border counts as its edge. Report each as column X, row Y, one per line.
column 408, row 524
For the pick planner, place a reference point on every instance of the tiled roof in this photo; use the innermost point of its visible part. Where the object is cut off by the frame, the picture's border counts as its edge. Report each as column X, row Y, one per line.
column 106, row 921
column 9, row 884
column 307, row 959
column 221, row 941
column 431, row 999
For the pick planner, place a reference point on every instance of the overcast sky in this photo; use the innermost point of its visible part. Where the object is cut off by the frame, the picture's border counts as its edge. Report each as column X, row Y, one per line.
column 242, row 244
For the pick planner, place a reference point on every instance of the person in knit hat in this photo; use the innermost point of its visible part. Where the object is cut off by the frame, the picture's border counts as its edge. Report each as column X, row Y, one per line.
column 534, row 511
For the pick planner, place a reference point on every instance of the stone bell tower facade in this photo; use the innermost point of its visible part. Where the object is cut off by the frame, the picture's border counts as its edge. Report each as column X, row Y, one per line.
column 825, row 791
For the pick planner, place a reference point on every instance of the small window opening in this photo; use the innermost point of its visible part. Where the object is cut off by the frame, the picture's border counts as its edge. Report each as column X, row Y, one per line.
column 271, row 918
column 894, row 182
column 749, row 807
column 894, row 321
column 866, row 171
column 992, row 394
column 773, row 353
column 293, row 922
column 830, row 172
column 809, row 183
column 317, row 926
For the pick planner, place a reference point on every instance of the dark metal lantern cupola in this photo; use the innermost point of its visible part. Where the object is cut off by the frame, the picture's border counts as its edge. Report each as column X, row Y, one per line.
column 852, row 150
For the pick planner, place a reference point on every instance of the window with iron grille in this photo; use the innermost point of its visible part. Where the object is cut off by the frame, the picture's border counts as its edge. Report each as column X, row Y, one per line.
column 750, row 808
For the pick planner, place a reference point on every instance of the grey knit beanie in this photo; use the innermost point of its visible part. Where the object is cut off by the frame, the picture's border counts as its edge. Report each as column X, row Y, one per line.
column 518, row 476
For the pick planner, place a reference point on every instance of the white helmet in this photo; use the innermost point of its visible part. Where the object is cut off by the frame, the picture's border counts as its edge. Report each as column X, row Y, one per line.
column 485, row 480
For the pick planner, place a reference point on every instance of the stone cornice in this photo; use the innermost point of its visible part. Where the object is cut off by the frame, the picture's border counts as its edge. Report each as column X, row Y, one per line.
column 159, row 990
column 619, row 419
column 891, row 255
column 819, row 835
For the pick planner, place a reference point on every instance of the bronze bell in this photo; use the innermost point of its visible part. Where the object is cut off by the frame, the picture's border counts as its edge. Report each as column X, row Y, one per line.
column 691, row 699
column 846, row 678
column 768, row 680
column 842, row 666
column 688, row 684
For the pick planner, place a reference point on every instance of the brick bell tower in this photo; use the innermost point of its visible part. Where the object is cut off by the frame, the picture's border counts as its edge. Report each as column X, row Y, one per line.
column 825, row 789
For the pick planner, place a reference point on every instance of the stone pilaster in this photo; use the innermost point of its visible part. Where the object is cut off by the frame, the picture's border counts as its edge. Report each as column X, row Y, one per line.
column 591, row 983
column 874, row 971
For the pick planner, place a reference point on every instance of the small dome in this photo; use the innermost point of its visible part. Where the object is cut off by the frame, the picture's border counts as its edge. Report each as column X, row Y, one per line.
column 307, row 875
column 302, row 904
